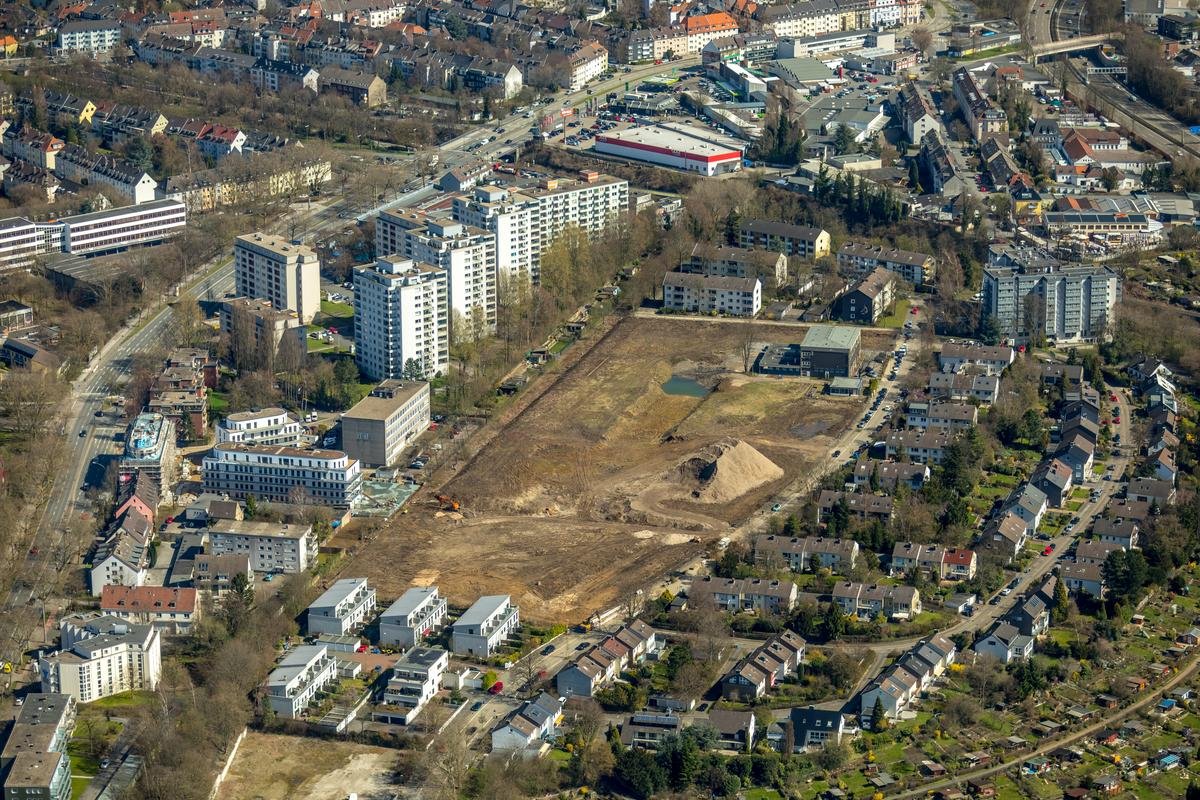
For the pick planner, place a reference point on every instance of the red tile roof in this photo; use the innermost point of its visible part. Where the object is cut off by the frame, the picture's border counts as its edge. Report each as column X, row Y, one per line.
column 147, row 599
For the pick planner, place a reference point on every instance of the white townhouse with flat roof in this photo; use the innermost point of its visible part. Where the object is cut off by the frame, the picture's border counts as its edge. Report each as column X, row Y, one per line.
column 343, row 607
column 416, row 677
column 299, row 678
column 485, row 626
column 270, row 546
column 416, row 613
column 267, row 426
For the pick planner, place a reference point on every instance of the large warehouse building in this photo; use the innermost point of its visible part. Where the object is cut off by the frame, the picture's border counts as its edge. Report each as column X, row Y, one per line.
column 678, row 146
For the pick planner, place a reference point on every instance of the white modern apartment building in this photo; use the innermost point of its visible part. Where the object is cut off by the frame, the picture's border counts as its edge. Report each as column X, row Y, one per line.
column 286, row 274
column 101, row 656
column 88, row 36
column 283, row 474
column 401, row 316
column 466, row 254
column 525, row 221
column 378, row 428
column 416, row 678
column 299, row 678
column 268, row 426
column 416, row 613
column 485, row 626
column 270, row 546
column 588, row 62
column 149, row 449
column 344, row 606
column 1063, row 302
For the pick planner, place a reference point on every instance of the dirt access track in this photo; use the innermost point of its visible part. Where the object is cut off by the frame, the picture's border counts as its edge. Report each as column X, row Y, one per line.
column 607, row 481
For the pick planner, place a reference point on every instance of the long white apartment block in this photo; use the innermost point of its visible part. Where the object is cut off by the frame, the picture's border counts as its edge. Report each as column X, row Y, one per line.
column 525, row 221
column 280, row 271
column 283, row 474
column 98, row 233
column 416, row 613
column 401, row 316
column 467, row 254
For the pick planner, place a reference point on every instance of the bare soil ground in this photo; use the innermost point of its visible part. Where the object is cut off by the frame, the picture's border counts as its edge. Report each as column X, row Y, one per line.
column 276, row 767
column 597, row 486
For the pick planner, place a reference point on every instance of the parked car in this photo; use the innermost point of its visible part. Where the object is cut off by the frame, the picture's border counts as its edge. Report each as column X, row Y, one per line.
column 497, row 688
column 548, row 649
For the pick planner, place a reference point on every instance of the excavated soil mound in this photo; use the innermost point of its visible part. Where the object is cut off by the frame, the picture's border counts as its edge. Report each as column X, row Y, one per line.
column 725, row 471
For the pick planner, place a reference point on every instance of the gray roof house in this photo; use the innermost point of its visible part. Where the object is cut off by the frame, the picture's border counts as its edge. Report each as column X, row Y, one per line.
column 1005, row 643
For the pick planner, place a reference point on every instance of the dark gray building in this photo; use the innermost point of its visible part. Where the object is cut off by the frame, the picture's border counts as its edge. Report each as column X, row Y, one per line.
column 829, row 351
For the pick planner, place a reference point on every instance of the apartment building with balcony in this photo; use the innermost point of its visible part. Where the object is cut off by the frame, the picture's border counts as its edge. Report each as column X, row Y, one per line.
column 344, row 607
column 149, row 451
column 283, row 474
column 34, row 761
column 267, row 426
column 415, row 614
column 485, row 626
column 378, row 428
column 401, row 319
column 302, row 674
column 415, row 680
column 100, row 656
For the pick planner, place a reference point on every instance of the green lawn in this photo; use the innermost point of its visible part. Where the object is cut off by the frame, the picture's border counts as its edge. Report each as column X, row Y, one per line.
column 124, row 701
column 79, row 785
column 761, row 794
column 897, row 317
column 336, row 310
column 217, row 402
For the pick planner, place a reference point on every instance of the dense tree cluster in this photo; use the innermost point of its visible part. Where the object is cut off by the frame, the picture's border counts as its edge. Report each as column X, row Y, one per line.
column 1153, row 78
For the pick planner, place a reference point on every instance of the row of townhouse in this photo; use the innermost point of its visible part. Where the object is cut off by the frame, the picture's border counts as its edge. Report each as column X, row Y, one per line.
column 802, row 554
column 870, row 601
column 895, row 688
column 598, row 665
column 992, row 359
column 956, row 417
column 122, row 557
column 757, row 673
column 983, row 116
column 180, row 392
column 250, row 180
column 689, row 36
column 46, row 157
column 887, row 475
column 171, row 610
column 859, row 505
column 919, row 446
column 933, row 561
column 745, row 594
column 964, row 386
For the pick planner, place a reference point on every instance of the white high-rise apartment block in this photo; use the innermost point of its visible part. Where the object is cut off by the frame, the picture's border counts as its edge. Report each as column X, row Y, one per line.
column 467, row 254
column 525, row 222
column 1031, row 295
column 401, row 315
column 274, row 269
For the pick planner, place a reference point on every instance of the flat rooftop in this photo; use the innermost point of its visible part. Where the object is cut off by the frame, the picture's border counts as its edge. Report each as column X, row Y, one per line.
column 831, row 337
column 379, row 407
column 667, row 139
column 245, row 527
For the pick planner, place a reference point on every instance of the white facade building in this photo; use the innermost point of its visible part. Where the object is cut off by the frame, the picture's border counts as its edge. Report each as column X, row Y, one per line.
column 525, row 222
column 485, row 626
column 274, row 269
column 401, row 316
column 1065, row 303
column 283, row 474
column 466, row 254
column 267, row 426
column 88, row 36
column 586, row 63
column 299, row 678
column 270, row 546
column 415, row 680
column 101, row 656
column 343, row 607
column 416, row 613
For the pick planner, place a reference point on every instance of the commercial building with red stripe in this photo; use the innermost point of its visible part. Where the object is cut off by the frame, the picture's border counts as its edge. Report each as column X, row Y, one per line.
column 670, row 147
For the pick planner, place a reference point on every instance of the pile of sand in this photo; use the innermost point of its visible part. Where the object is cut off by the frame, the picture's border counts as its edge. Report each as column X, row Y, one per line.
column 723, row 472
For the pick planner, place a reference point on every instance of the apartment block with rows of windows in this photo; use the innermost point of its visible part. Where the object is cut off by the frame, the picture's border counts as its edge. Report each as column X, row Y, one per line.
column 275, row 269
column 283, row 474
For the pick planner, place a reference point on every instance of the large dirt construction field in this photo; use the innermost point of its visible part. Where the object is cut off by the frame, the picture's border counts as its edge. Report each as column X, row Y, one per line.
column 607, row 481
column 275, row 767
